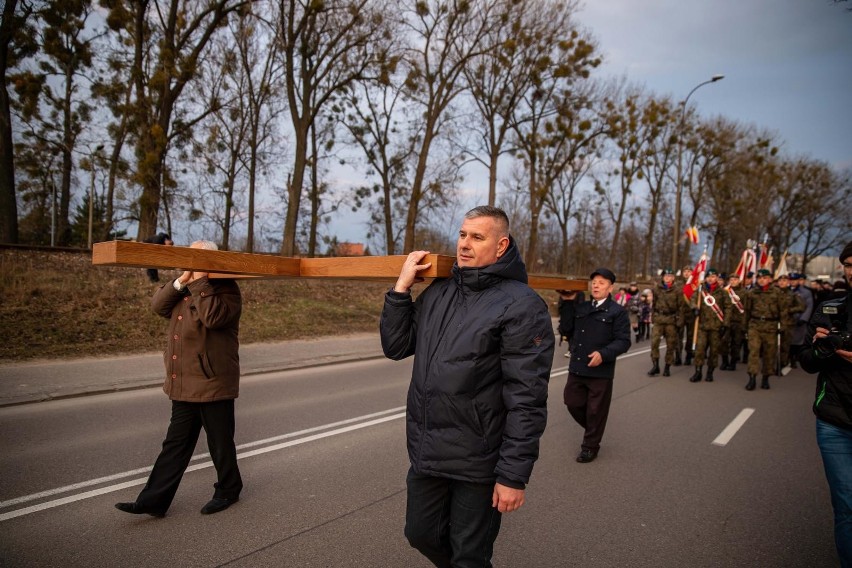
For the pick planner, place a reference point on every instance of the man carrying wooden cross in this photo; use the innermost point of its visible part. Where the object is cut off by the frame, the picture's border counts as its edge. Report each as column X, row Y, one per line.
column 477, row 403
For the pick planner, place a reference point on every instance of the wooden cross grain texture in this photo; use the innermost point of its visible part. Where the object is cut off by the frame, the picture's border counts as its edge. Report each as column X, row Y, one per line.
column 225, row 264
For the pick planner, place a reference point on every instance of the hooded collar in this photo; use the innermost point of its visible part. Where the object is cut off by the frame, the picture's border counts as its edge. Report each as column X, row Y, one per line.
column 508, row 267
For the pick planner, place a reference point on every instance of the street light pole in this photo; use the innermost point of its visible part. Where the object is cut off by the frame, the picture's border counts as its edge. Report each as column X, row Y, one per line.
column 92, row 192
column 679, row 190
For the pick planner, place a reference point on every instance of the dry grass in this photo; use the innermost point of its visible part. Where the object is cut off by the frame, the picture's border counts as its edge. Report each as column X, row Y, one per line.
column 56, row 304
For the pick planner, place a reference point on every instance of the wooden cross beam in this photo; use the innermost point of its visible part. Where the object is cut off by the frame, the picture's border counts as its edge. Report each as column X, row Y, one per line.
column 225, row 264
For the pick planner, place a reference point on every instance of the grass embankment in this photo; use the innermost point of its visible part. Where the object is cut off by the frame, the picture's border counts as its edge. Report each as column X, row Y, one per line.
column 56, row 304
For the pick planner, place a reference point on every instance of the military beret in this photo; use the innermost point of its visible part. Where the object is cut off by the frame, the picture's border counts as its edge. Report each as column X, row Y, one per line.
column 786, row 276
column 764, row 272
column 712, row 271
column 667, row 271
column 795, row 276
column 605, row 273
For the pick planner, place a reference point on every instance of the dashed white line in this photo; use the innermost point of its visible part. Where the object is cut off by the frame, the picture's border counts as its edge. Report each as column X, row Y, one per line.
column 725, row 436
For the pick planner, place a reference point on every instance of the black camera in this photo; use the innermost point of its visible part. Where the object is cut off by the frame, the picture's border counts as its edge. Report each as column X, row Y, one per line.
column 839, row 337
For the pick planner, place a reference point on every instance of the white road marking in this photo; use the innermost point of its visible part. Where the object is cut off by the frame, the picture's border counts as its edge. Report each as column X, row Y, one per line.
column 203, row 465
column 725, row 436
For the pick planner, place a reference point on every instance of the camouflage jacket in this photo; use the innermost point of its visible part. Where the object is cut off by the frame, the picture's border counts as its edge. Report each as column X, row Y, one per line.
column 667, row 305
column 734, row 317
column 764, row 308
column 707, row 318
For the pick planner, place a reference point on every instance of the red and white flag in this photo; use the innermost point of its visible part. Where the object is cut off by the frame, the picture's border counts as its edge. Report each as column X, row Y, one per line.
column 747, row 264
column 697, row 277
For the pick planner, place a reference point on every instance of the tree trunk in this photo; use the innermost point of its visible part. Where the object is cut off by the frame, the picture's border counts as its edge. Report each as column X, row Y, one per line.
column 294, row 192
column 8, row 200
column 417, row 190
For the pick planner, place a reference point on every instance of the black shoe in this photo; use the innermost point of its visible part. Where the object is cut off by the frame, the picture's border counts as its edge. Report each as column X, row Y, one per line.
column 217, row 504
column 696, row 376
column 764, row 384
column 709, row 377
column 655, row 370
column 751, row 383
column 585, row 456
column 677, row 361
column 667, row 371
column 135, row 509
column 688, row 361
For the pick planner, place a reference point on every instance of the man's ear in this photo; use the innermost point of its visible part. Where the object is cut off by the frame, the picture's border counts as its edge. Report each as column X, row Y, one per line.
column 502, row 246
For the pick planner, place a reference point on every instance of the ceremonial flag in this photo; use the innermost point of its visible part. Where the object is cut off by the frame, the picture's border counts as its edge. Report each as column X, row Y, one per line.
column 692, row 234
column 747, row 264
column 782, row 266
column 697, row 277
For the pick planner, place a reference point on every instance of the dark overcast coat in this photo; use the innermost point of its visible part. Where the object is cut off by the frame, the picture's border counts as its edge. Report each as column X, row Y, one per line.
column 483, row 343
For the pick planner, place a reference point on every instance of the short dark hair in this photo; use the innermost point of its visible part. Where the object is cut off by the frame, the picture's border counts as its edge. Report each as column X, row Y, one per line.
column 489, row 211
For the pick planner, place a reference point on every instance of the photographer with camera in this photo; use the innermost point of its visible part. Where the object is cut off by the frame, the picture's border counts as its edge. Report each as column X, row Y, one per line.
column 830, row 355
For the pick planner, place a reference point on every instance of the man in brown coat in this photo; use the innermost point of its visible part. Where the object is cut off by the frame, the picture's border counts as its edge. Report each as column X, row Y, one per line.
column 202, row 380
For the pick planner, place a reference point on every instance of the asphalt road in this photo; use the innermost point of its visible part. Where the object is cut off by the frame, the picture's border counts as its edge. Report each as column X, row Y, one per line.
column 323, row 461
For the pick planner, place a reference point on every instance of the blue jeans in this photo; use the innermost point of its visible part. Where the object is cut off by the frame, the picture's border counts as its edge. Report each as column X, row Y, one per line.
column 835, row 445
column 451, row 522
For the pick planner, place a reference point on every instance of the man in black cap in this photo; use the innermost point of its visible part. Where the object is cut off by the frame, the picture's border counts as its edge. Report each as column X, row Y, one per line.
column 828, row 355
column 599, row 332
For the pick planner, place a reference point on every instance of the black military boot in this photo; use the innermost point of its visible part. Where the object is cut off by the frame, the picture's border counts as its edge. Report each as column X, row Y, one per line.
column 667, row 370
column 725, row 363
column 732, row 364
column 709, row 377
column 688, row 361
column 678, row 361
column 764, row 383
column 696, row 377
column 751, row 383
column 655, row 370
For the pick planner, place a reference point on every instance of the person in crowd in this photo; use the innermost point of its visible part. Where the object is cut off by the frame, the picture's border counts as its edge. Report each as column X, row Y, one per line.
column 567, row 306
column 202, row 380
column 158, row 239
column 666, row 313
column 800, row 330
column 792, row 311
column 764, row 305
column 646, row 314
column 713, row 300
column 599, row 333
column 477, row 402
column 686, row 331
column 634, row 309
column 733, row 335
column 827, row 354
column 622, row 298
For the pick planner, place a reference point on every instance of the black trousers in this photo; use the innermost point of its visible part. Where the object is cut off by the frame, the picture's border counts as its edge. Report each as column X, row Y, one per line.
column 451, row 522
column 217, row 419
column 588, row 400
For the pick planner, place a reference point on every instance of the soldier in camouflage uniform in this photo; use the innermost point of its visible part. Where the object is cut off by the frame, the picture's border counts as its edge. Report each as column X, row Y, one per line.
column 764, row 306
column 665, row 315
column 686, row 331
column 794, row 307
column 734, row 335
column 710, row 327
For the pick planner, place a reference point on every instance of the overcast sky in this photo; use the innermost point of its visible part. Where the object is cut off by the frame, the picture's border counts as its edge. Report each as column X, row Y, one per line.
column 787, row 63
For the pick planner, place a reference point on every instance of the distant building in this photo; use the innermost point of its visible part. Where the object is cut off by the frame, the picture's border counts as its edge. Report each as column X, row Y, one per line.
column 825, row 267
column 349, row 249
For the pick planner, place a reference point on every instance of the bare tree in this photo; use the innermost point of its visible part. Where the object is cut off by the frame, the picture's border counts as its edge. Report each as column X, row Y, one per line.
column 444, row 36
column 326, row 46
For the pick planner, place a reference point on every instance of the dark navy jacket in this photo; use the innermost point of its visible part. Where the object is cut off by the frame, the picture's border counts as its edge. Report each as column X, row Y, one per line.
column 605, row 329
column 483, row 343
